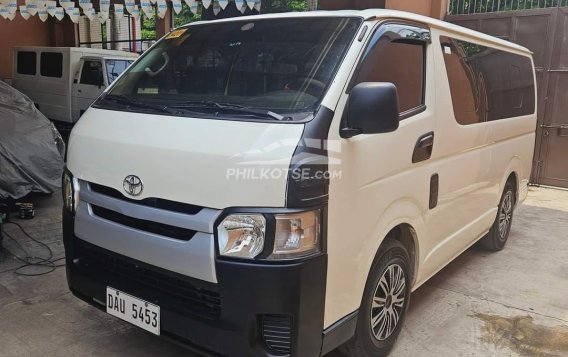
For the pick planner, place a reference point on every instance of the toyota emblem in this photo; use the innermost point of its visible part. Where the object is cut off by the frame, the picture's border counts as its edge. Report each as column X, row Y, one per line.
column 133, row 185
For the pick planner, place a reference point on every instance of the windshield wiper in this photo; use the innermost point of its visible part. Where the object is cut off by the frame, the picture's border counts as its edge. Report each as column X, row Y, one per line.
column 133, row 103
column 241, row 109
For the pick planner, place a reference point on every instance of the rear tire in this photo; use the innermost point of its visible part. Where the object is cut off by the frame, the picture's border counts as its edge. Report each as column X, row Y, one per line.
column 384, row 305
column 497, row 237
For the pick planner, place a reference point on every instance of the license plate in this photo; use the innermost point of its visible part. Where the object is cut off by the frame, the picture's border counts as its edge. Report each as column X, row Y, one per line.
column 131, row 309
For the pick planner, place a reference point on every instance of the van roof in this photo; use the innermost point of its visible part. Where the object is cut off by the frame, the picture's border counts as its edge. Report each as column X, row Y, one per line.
column 370, row 14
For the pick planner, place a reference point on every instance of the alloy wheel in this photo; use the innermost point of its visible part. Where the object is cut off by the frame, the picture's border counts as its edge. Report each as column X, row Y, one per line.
column 388, row 302
column 505, row 215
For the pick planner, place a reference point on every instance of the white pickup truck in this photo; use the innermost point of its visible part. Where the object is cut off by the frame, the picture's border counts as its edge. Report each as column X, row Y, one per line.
column 64, row 81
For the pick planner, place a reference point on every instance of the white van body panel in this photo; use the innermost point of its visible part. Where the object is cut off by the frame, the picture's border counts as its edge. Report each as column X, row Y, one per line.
column 54, row 95
column 380, row 189
column 177, row 160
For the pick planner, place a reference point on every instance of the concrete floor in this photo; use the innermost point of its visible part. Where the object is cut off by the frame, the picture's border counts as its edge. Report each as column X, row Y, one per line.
column 511, row 303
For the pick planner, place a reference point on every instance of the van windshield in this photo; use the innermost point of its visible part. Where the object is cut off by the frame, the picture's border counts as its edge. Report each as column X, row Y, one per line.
column 261, row 69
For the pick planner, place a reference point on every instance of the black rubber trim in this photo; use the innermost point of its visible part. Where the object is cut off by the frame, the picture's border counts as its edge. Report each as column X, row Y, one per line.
column 311, row 158
column 413, row 111
column 162, row 229
column 148, row 202
column 339, row 333
column 434, row 191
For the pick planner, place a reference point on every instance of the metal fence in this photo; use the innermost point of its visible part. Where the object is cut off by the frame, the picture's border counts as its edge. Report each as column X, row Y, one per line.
column 459, row 7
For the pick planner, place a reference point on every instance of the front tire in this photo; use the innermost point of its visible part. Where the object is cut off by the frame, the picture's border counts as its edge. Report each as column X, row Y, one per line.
column 384, row 305
column 497, row 237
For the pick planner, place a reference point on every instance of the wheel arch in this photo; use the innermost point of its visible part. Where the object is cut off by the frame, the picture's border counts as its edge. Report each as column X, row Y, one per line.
column 406, row 235
column 513, row 174
column 402, row 221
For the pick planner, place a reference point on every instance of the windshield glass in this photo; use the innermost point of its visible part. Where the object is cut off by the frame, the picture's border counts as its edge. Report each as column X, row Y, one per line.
column 263, row 69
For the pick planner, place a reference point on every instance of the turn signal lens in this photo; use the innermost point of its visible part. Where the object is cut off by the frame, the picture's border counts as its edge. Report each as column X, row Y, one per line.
column 296, row 235
column 242, row 235
column 70, row 192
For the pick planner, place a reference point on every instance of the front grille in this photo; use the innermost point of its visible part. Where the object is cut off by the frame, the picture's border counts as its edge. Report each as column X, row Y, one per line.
column 277, row 334
column 148, row 202
column 168, row 290
column 143, row 225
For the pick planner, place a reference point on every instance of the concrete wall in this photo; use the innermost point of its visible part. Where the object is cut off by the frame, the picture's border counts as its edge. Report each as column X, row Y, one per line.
column 20, row 32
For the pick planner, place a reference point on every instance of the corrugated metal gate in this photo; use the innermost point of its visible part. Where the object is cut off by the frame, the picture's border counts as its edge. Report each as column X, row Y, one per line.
column 545, row 32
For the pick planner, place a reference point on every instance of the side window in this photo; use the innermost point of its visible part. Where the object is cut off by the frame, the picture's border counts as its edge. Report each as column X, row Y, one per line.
column 115, row 68
column 400, row 60
column 486, row 83
column 51, row 64
column 92, row 73
column 26, row 62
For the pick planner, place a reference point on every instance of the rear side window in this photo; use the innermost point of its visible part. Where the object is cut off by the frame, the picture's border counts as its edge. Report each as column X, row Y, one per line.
column 486, row 83
column 92, row 73
column 51, row 64
column 26, row 62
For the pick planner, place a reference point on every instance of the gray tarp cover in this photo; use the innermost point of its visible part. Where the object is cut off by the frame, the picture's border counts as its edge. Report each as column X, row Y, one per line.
column 31, row 149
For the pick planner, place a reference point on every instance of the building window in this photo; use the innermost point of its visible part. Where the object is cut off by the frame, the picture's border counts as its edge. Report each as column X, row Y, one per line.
column 486, row 83
column 51, row 64
column 26, row 63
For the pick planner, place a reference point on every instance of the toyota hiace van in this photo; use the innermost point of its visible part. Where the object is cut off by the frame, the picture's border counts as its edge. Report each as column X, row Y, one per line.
column 278, row 185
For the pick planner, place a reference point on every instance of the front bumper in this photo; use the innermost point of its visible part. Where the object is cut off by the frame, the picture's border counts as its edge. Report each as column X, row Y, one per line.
column 229, row 318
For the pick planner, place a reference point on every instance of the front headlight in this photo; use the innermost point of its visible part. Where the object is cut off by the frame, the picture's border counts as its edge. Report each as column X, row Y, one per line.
column 296, row 235
column 70, row 192
column 242, row 235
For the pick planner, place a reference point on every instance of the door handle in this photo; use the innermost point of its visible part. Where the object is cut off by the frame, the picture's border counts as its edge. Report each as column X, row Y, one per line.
column 79, row 91
column 423, row 148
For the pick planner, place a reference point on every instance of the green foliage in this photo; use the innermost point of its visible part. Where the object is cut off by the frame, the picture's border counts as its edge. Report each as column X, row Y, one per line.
column 185, row 16
column 271, row 6
column 148, row 27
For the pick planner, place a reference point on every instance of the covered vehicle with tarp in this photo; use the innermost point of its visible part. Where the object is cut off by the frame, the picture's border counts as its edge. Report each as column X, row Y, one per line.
column 31, row 149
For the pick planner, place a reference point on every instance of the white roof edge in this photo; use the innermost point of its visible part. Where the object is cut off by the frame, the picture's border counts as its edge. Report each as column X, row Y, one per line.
column 382, row 13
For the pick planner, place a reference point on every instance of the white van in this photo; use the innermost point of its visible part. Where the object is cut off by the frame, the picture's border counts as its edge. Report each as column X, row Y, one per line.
column 64, row 81
column 278, row 185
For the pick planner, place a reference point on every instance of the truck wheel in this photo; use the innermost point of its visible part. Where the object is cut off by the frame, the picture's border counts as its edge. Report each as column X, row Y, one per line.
column 384, row 304
column 497, row 237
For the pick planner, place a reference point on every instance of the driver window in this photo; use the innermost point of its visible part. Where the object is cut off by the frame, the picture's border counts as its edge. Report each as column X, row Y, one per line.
column 92, row 73
column 400, row 62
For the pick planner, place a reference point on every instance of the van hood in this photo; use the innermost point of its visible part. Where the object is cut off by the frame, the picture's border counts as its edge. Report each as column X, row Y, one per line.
column 206, row 162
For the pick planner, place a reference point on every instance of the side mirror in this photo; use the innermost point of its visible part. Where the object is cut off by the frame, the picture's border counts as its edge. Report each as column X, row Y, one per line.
column 372, row 108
